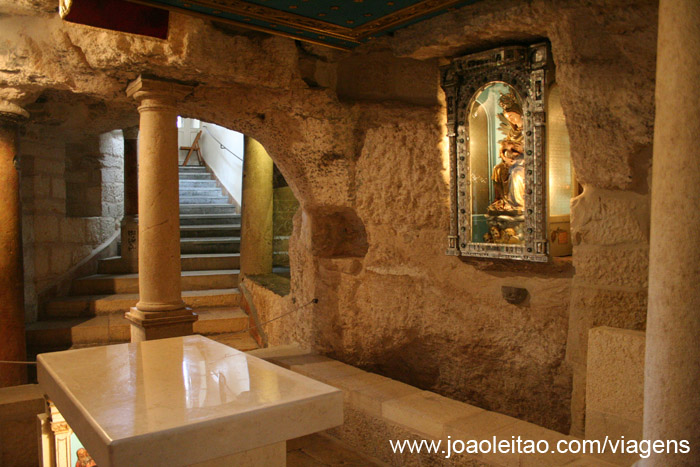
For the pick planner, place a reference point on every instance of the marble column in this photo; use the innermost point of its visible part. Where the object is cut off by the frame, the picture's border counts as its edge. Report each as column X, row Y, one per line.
column 256, row 214
column 12, row 336
column 130, row 226
column 672, row 368
column 160, row 311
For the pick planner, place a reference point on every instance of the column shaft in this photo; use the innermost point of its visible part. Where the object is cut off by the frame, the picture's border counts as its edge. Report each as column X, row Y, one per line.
column 159, row 209
column 672, row 368
column 256, row 214
column 12, row 336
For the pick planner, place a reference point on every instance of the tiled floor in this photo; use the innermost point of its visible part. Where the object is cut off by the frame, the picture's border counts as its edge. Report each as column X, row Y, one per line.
column 319, row 450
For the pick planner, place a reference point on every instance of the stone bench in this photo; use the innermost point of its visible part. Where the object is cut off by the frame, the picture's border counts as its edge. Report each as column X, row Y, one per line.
column 378, row 409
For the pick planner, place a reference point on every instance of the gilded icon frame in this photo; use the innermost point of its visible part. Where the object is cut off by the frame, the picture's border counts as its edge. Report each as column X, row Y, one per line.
column 528, row 70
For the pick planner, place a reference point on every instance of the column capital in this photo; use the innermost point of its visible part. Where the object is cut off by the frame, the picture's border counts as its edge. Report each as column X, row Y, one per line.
column 131, row 132
column 159, row 92
column 11, row 112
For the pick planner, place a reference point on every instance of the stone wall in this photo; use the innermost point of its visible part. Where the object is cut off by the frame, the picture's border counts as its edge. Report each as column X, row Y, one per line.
column 615, row 387
column 369, row 169
column 68, row 211
column 284, row 205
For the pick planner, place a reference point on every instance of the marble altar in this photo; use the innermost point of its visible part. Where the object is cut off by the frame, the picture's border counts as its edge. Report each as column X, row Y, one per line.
column 184, row 401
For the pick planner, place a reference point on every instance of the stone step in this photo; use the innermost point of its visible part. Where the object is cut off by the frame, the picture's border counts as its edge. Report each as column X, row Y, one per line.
column 195, row 176
column 198, row 184
column 210, row 219
column 207, row 192
column 204, row 230
column 205, row 261
column 192, row 169
column 92, row 305
column 203, row 200
column 207, row 209
column 192, row 262
column 113, row 328
column 239, row 341
column 210, row 245
column 129, row 283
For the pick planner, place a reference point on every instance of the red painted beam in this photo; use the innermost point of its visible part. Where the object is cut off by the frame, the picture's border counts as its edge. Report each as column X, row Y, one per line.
column 119, row 15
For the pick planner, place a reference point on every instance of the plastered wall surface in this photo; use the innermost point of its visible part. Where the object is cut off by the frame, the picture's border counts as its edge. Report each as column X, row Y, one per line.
column 369, row 170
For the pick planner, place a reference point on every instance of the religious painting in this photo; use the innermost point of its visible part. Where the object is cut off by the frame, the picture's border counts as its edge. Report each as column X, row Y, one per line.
column 79, row 455
column 496, row 126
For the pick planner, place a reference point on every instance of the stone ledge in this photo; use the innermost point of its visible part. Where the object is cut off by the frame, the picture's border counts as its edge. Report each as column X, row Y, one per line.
column 422, row 414
column 275, row 283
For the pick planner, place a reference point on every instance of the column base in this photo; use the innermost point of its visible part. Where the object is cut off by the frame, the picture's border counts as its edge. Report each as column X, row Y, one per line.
column 149, row 325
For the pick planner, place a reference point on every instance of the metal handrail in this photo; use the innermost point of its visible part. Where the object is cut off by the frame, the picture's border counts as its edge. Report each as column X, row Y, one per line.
column 221, row 146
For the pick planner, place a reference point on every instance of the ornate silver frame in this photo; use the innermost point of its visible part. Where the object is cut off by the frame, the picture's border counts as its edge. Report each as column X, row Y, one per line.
column 528, row 69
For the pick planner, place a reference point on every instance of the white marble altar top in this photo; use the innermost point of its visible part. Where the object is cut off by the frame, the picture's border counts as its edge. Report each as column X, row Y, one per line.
column 181, row 400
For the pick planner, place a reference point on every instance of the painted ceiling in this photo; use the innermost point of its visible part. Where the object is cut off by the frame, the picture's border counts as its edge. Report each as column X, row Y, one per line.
column 340, row 24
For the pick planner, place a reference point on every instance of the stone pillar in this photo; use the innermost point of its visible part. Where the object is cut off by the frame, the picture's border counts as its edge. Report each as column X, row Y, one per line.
column 160, row 311
column 130, row 225
column 672, row 368
column 256, row 214
column 13, row 346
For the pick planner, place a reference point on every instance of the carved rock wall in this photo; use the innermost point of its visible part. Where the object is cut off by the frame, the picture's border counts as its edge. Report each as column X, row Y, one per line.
column 369, row 169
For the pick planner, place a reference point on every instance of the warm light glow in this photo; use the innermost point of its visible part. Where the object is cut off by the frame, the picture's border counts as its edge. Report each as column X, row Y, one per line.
column 561, row 182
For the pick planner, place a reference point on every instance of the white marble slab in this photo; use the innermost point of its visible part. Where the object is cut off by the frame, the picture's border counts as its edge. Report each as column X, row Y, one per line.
column 180, row 401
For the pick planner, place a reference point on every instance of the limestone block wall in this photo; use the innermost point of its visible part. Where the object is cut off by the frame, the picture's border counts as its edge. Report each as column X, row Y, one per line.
column 54, row 238
column 370, row 172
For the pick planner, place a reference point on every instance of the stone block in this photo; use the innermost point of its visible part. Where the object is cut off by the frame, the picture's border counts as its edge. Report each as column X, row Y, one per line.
column 19, row 407
column 42, row 264
column 478, row 425
column 73, row 230
column 58, row 188
column 593, row 306
column 46, row 229
column 61, row 259
column 529, row 431
column 368, row 391
column 325, row 371
column 92, row 227
column 108, row 226
column 382, row 76
column 113, row 176
column 619, row 266
column 42, row 186
column 279, row 351
column 49, row 166
column 615, row 373
column 80, row 252
column 608, row 217
column 601, row 425
column 426, row 412
column 615, row 387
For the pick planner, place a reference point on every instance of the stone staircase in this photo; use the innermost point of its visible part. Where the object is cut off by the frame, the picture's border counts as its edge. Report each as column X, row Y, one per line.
column 93, row 313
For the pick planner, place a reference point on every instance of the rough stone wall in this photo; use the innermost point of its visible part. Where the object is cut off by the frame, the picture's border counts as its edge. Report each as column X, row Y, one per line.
column 605, row 56
column 369, row 170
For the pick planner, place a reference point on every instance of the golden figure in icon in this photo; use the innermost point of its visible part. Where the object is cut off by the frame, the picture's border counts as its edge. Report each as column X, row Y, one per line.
column 508, row 176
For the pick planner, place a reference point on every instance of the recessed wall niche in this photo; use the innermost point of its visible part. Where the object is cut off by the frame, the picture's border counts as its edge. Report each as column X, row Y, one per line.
column 511, row 178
